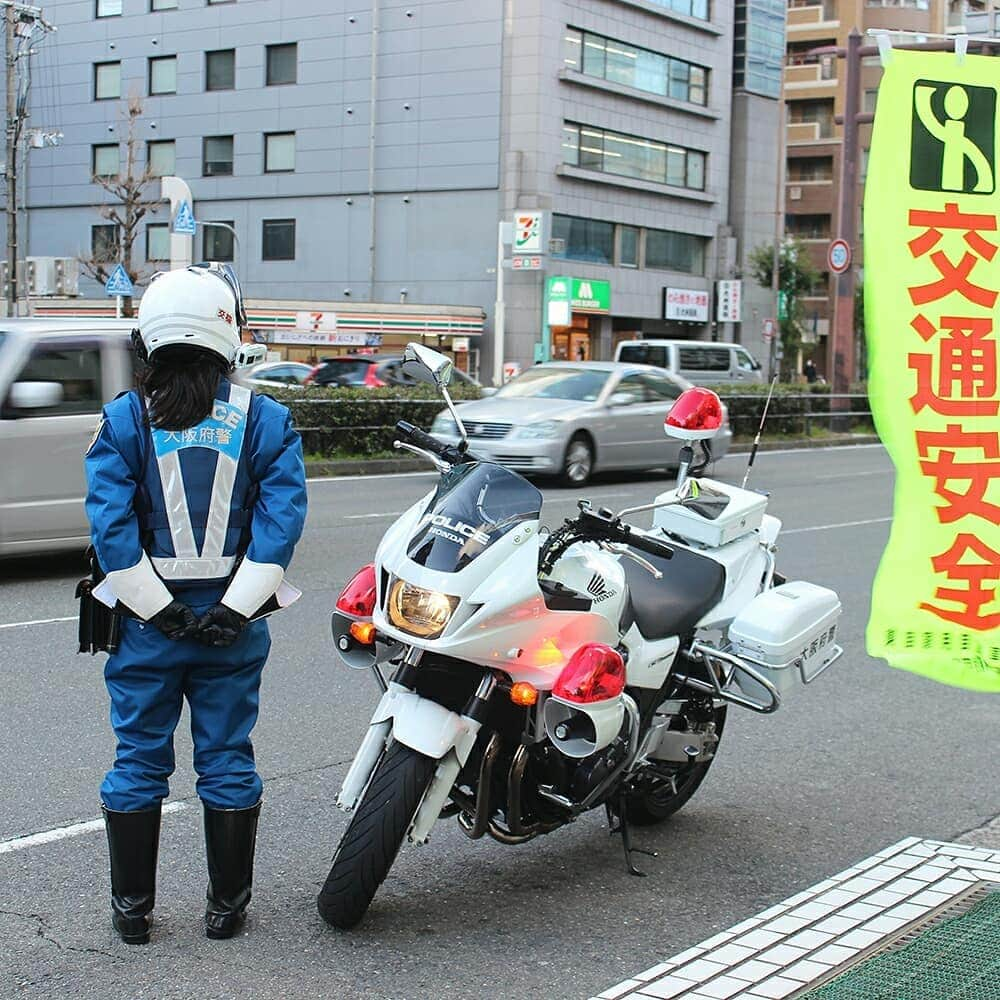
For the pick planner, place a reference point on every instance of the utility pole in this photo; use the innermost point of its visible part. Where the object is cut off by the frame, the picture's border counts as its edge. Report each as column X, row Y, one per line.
column 16, row 18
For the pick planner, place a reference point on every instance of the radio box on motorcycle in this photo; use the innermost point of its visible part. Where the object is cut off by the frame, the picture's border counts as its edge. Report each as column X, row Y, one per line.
column 709, row 513
column 787, row 633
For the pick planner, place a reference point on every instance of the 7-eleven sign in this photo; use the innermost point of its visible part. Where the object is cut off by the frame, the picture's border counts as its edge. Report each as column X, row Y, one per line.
column 528, row 232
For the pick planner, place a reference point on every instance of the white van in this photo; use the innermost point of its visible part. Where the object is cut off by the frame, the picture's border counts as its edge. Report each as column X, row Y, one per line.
column 699, row 361
column 55, row 374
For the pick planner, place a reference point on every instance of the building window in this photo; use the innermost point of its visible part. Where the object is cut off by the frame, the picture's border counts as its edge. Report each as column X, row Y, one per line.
column 628, row 246
column 279, row 152
column 158, row 241
column 281, row 64
column 584, row 239
column 163, row 5
column 107, row 81
column 161, row 158
column 634, row 67
column 816, row 112
column 870, row 98
column 220, row 69
column 217, row 156
column 104, row 243
column 218, row 242
column 808, row 227
column 632, row 156
column 759, row 45
column 671, row 251
column 109, row 8
column 689, row 8
column 163, row 75
column 278, row 239
column 104, row 160
column 803, row 169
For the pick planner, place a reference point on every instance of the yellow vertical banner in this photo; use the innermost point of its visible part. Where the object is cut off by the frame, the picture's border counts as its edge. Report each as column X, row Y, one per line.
column 932, row 283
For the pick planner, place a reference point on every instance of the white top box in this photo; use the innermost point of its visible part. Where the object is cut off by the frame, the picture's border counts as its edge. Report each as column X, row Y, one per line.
column 742, row 514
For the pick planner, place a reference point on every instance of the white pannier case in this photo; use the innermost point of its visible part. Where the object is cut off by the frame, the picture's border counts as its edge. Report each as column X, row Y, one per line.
column 788, row 633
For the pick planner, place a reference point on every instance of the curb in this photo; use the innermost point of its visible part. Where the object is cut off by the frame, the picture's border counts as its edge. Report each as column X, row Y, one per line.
column 388, row 466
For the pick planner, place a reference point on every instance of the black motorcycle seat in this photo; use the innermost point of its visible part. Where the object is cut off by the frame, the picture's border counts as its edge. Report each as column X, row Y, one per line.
column 690, row 585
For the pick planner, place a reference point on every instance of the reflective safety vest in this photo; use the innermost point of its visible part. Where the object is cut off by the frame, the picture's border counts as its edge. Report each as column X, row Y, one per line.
column 196, row 500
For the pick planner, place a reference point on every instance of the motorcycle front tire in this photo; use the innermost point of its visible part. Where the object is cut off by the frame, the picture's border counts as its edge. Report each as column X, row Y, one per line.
column 374, row 835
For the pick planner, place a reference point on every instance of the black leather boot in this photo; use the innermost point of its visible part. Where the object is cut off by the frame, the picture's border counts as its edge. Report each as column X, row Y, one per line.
column 230, row 839
column 133, row 843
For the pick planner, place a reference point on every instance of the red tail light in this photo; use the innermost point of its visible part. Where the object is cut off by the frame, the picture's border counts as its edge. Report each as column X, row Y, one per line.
column 358, row 597
column 595, row 672
column 371, row 379
column 311, row 377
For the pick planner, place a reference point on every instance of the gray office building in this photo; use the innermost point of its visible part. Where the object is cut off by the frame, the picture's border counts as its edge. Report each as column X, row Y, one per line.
column 365, row 156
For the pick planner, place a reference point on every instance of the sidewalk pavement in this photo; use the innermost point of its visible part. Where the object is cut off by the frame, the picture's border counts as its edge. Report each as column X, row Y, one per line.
column 321, row 469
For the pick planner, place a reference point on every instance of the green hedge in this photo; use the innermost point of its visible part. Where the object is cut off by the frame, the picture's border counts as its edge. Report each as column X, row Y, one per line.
column 789, row 406
column 361, row 421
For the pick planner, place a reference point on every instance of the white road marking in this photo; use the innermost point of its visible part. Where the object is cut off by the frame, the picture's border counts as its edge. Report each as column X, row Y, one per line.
column 361, row 517
column 39, row 621
column 831, row 924
column 64, row 832
column 827, row 527
column 851, row 475
column 381, row 475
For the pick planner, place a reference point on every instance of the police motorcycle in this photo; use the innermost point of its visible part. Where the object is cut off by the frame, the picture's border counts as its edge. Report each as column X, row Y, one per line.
column 536, row 674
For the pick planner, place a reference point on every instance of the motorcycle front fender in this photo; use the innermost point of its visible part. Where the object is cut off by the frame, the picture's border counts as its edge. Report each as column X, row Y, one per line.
column 418, row 723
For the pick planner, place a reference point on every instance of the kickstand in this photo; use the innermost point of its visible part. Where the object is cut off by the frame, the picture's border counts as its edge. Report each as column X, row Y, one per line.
column 618, row 823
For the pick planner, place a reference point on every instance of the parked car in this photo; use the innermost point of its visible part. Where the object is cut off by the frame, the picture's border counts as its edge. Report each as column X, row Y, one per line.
column 700, row 361
column 55, row 375
column 371, row 370
column 571, row 419
column 278, row 375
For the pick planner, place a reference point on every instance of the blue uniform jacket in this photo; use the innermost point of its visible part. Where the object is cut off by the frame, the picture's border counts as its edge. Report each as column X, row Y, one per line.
column 123, row 481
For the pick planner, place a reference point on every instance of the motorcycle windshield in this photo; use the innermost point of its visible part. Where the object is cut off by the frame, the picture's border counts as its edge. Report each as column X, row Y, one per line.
column 475, row 505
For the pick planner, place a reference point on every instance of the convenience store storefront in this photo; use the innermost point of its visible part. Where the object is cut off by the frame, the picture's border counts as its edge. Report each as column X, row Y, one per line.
column 573, row 311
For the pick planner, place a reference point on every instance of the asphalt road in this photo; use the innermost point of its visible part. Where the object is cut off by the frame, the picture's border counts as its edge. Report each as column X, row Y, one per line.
column 866, row 757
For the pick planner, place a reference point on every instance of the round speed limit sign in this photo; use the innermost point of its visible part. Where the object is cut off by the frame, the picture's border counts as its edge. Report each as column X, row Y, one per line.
column 838, row 256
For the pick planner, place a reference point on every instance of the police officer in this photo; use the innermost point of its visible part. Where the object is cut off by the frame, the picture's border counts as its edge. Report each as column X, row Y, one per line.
column 196, row 498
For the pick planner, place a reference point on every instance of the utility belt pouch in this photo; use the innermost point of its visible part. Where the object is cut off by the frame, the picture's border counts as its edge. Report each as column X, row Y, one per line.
column 100, row 627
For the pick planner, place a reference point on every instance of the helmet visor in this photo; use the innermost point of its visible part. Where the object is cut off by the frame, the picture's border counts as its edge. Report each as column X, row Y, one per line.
column 228, row 274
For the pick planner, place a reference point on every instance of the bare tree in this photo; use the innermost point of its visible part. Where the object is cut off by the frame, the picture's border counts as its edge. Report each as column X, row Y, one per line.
column 130, row 201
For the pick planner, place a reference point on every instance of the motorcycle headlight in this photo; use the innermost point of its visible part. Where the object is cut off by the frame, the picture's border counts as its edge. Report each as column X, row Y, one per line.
column 544, row 429
column 444, row 424
column 420, row 612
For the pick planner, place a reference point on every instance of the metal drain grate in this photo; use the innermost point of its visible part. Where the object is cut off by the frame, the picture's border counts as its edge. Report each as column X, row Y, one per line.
column 953, row 954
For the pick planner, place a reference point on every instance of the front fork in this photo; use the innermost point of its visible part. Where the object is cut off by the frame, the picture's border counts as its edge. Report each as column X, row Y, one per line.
column 427, row 728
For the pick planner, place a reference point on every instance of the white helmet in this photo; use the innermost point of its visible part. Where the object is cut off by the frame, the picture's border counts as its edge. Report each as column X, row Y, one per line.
column 200, row 306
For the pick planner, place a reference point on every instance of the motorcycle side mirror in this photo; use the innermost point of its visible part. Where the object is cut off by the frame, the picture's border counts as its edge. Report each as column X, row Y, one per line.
column 426, row 365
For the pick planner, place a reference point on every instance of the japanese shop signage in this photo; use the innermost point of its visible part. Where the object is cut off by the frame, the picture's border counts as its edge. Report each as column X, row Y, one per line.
column 728, row 296
column 528, row 232
column 588, row 295
column 932, row 281
column 690, row 305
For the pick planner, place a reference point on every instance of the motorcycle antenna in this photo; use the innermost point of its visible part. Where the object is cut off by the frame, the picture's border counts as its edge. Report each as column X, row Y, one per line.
column 760, row 430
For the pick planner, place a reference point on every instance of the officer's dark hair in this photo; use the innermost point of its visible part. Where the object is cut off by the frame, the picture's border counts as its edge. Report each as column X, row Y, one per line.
column 180, row 383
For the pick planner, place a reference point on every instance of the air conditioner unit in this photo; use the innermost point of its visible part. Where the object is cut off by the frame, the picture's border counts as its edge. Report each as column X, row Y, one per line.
column 40, row 274
column 5, row 277
column 67, row 276
column 795, row 193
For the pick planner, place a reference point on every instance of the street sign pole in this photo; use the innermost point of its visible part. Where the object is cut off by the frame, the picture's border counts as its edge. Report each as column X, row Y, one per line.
column 499, row 310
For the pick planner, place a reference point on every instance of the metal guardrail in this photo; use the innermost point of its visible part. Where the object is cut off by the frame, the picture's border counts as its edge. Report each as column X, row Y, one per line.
column 837, row 408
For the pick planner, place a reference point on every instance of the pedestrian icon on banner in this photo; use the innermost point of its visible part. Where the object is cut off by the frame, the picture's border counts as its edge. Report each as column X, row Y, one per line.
column 184, row 224
column 119, row 283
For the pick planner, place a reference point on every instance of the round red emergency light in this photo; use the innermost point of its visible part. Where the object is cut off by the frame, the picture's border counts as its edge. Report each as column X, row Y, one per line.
column 358, row 597
column 595, row 672
column 695, row 416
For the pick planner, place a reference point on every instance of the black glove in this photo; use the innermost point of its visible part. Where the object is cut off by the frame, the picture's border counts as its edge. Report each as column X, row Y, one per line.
column 176, row 621
column 220, row 626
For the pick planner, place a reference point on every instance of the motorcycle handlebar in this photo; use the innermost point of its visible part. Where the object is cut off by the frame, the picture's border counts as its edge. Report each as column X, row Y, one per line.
column 428, row 442
column 612, row 529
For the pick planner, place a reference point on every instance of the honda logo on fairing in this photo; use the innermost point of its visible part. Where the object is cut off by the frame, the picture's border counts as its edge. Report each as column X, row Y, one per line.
column 457, row 529
column 598, row 589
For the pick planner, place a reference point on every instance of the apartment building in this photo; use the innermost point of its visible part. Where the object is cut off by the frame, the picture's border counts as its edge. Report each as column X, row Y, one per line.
column 357, row 159
column 814, row 92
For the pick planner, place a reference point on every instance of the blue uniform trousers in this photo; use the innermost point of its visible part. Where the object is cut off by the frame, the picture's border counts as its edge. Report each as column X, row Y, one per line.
column 148, row 679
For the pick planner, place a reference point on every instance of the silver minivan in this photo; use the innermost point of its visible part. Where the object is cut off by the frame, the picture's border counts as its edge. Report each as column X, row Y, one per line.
column 700, row 361
column 55, row 375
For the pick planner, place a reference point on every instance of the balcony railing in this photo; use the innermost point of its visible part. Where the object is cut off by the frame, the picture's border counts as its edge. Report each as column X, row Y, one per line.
column 809, row 131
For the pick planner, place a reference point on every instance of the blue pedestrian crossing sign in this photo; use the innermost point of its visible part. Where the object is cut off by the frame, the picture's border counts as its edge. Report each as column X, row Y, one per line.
column 184, row 224
column 119, row 283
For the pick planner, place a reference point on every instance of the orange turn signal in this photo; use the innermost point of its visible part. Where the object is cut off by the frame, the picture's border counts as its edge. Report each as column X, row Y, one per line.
column 363, row 632
column 523, row 693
